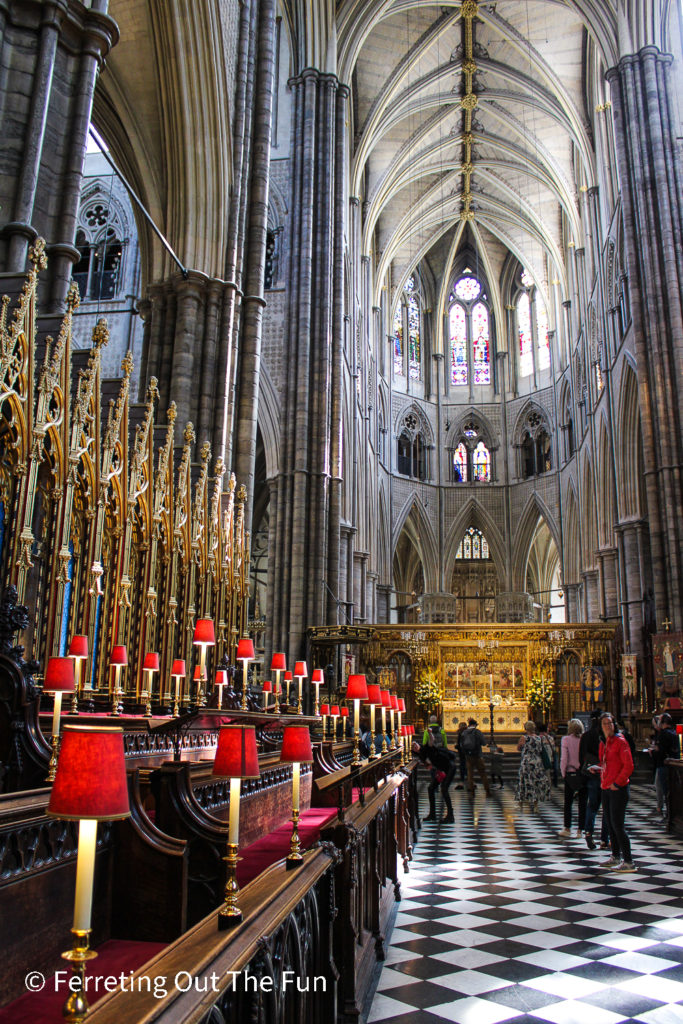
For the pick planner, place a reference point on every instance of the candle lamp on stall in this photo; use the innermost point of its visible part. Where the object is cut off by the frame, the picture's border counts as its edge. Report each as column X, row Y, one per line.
column 386, row 704
column 357, row 691
column 324, row 714
column 335, row 713
column 118, row 660
column 204, row 636
column 344, row 715
column 90, row 786
column 59, row 679
column 177, row 673
column 149, row 666
column 245, row 654
column 393, row 708
column 198, row 680
column 317, row 680
column 300, row 673
column 221, row 681
column 78, row 650
column 267, row 690
column 400, row 712
column 236, row 759
column 288, row 682
column 278, row 665
column 296, row 750
column 374, row 700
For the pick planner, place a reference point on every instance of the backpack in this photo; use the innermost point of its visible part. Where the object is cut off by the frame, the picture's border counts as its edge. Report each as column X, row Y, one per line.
column 545, row 756
column 468, row 741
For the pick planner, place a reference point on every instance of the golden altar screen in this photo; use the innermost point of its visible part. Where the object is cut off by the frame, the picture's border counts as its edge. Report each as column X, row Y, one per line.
column 469, row 689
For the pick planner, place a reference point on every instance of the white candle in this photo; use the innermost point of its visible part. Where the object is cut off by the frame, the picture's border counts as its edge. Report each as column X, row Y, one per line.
column 220, row 695
column 85, row 874
column 296, row 776
column 356, row 716
column 372, row 719
column 56, row 713
column 265, row 700
column 384, row 722
column 491, row 687
column 234, row 814
column 301, row 686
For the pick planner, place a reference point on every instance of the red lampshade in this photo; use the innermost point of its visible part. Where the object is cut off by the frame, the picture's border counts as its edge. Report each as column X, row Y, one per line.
column 401, row 704
column 245, row 649
column 279, row 663
column 204, row 633
column 78, row 648
column 178, row 668
column 386, row 698
column 334, row 710
column 59, row 675
column 412, row 730
column 357, row 688
column 394, row 702
column 221, row 677
column 300, row 669
column 197, row 673
column 236, row 753
column 317, row 677
column 296, row 744
column 91, row 775
column 151, row 662
column 324, row 709
column 344, row 712
column 288, row 677
column 119, row 655
column 374, row 693
column 679, row 730
column 267, row 686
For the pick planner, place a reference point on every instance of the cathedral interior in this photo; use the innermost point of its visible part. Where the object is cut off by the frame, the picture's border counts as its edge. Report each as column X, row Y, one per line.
column 340, row 338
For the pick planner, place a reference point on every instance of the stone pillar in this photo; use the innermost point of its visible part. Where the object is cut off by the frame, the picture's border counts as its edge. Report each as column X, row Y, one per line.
column 648, row 157
column 591, row 587
column 609, row 576
column 633, row 541
column 309, row 491
column 573, row 602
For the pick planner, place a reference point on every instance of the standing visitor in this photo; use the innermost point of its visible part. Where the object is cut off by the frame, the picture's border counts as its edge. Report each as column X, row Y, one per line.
column 461, row 754
column 615, row 769
column 575, row 784
column 589, row 754
column 471, row 742
column 532, row 781
column 666, row 746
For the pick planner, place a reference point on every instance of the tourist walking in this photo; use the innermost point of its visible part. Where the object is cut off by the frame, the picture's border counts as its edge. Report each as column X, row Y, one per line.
column 471, row 742
column 532, row 781
column 442, row 763
column 615, row 768
column 574, row 782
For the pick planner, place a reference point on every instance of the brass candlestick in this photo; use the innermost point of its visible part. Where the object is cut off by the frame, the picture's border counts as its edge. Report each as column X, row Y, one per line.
column 295, row 856
column 76, row 1007
column 230, row 914
column 356, row 759
column 52, row 767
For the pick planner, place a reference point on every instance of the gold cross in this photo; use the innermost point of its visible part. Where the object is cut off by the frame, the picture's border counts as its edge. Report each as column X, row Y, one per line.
column 666, row 624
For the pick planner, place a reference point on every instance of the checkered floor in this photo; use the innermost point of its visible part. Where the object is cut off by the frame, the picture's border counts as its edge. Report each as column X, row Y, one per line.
column 502, row 921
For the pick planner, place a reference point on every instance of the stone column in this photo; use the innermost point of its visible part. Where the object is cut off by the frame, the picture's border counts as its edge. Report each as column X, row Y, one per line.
column 51, row 52
column 648, row 157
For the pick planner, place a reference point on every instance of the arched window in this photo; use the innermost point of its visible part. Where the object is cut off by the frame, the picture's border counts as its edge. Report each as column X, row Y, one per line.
column 481, row 463
column 532, row 324
column 470, row 333
column 528, row 456
column 98, row 272
column 412, row 456
column 543, row 453
column 535, row 445
column 460, row 464
column 408, row 323
column 473, row 546
column 405, row 447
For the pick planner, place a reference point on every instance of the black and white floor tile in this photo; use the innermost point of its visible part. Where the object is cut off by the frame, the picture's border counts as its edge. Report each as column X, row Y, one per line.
column 500, row 920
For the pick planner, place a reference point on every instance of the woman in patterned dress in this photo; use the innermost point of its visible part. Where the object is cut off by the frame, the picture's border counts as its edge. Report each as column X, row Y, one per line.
column 532, row 781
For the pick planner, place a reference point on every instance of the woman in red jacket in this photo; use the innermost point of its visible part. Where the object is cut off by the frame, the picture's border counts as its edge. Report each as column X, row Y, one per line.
column 616, row 767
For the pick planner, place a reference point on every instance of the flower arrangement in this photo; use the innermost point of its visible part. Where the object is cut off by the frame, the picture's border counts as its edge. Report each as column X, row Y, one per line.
column 540, row 693
column 428, row 690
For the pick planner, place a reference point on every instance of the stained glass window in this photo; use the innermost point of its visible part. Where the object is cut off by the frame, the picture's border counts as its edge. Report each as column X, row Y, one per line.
column 527, row 279
column 473, row 545
column 414, row 362
column 543, row 340
column 467, row 288
column 460, row 464
column 398, row 342
column 480, row 348
column 481, row 463
column 458, row 344
column 526, row 354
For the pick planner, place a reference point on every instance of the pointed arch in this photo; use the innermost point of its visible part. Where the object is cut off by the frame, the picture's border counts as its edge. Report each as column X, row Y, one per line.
column 589, row 525
column 474, row 514
column 534, row 511
column 605, row 493
column 269, row 421
column 383, row 543
column 629, row 449
column 414, row 522
column 571, row 547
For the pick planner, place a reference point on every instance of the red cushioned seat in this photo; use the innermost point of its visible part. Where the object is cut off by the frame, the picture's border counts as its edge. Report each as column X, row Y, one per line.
column 258, row 856
column 114, row 958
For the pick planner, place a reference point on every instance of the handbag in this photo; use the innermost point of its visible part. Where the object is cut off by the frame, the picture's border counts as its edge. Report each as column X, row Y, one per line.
column 574, row 780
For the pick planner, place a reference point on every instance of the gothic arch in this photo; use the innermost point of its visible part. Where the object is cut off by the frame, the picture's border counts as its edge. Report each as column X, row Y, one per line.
column 605, row 492
column 629, row 449
column 414, row 521
column 474, row 514
column 269, row 421
column 589, row 525
column 484, row 429
column 383, row 545
column 532, row 417
column 422, row 425
column 534, row 511
column 571, row 548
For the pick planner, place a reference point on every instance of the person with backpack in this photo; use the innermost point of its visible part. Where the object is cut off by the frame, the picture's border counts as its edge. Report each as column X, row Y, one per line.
column 471, row 743
column 532, row 782
column 574, row 780
column 442, row 763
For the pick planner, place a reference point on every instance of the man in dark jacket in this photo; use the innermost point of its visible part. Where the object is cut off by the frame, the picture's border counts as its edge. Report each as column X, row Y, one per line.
column 589, row 753
column 442, row 763
column 667, row 746
column 471, row 743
